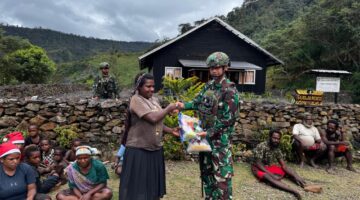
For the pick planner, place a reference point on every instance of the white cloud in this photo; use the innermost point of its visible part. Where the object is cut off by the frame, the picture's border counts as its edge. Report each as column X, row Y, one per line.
column 136, row 20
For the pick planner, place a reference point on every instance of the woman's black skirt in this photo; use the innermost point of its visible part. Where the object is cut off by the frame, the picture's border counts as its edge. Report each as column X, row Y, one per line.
column 143, row 175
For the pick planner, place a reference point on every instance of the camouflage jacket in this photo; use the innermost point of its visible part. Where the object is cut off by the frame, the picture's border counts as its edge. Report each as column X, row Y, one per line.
column 217, row 106
column 105, row 88
column 266, row 155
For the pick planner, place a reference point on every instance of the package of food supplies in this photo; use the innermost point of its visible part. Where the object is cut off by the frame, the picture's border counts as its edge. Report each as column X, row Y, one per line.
column 190, row 126
column 198, row 145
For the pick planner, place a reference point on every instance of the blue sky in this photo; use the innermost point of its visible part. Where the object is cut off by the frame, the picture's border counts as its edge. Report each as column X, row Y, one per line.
column 135, row 20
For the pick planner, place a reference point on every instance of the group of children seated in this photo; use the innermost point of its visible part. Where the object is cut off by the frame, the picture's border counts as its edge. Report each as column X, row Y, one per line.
column 46, row 160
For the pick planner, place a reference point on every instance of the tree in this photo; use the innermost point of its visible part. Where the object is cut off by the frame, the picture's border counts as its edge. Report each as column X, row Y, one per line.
column 30, row 65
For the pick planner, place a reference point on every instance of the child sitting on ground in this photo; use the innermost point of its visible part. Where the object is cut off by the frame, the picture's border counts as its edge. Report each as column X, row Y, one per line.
column 70, row 154
column 59, row 164
column 33, row 158
column 47, row 156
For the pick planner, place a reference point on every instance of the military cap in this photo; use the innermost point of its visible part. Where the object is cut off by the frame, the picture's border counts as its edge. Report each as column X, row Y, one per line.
column 103, row 64
column 217, row 59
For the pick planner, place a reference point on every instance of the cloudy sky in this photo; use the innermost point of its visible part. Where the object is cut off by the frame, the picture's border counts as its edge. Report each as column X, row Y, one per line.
column 126, row 20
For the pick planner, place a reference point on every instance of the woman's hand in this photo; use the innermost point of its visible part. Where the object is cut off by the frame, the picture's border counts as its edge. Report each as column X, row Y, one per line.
column 176, row 131
column 180, row 105
column 202, row 134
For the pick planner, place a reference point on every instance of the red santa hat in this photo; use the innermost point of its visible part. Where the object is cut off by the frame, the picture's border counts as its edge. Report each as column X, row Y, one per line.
column 15, row 138
column 8, row 148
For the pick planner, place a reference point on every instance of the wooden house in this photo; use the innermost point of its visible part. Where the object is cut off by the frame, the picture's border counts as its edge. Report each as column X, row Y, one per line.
column 185, row 56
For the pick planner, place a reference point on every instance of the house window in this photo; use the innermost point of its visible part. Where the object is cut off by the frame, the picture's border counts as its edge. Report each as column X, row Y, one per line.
column 173, row 72
column 247, row 77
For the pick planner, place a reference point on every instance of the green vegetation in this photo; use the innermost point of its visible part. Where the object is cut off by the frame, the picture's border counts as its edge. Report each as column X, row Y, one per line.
column 66, row 134
column 62, row 47
column 22, row 62
column 178, row 90
column 305, row 34
column 124, row 66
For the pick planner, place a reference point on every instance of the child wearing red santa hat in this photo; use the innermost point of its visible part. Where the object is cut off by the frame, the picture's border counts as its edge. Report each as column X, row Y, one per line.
column 17, row 139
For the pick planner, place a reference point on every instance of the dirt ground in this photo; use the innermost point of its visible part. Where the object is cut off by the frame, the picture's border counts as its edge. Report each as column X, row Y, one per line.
column 183, row 183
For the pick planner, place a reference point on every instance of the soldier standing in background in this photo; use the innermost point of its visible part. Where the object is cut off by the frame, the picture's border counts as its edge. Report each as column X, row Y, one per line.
column 105, row 87
column 217, row 105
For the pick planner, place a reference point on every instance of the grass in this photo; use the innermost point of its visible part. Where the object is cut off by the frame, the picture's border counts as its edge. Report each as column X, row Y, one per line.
column 183, row 183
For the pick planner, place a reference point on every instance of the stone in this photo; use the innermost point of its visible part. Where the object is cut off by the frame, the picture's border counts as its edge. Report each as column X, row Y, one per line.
column 8, row 121
column 104, row 139
column 354, row 130
column 89, row 135
column 11, row 110
column 242, row 115
column 82, row 107
column 48, row 126
column 1, row 111
column 33, row 107
column 93, row 104
column 77, row 113
column 63, row 105
column 71, row 119
column 108, row 103
column 117, row 129
column 30, row 114
column 38, row 120
column 46, row 113
column 300, row 110
column 279, row 119
column 58, row 119
column 92, row 120
column 94, row 125
column 102, row 119
column 82, row 101
column 22, row 126
column 89, row 113
column 20, row 114
column 244, row 121
column 82, row 118
column 281, row 124
column 324, row 120
column 113, row 122
column 50, row 134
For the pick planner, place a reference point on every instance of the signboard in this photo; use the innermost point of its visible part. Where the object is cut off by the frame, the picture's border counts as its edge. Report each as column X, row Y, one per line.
column 328, row 84
column 308, row 97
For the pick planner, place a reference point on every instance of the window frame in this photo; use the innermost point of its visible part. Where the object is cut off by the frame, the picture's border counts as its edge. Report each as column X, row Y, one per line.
column 173, row 69
column 244, row 75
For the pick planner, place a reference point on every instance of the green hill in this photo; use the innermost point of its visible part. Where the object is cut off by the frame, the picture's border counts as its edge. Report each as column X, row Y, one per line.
column 124, row 66
column 62, row 47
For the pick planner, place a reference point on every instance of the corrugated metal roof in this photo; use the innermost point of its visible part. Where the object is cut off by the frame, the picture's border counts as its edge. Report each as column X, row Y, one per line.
column 330, row 71
column 234, row 64
column 227, row 26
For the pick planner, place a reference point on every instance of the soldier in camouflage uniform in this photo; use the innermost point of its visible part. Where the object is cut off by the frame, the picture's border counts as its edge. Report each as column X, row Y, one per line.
column 269, row 165
column 105, row 87
column 217, row 106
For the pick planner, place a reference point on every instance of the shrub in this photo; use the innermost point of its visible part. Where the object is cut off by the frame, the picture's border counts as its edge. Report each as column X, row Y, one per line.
column 66, row 134
column 178, row 90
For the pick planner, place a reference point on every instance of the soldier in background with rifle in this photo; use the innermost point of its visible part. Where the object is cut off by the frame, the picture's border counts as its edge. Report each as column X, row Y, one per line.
column 217, row 106
column 105, row 87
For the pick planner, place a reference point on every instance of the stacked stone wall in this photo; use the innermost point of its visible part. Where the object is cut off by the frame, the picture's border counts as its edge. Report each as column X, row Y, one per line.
column 101, row 123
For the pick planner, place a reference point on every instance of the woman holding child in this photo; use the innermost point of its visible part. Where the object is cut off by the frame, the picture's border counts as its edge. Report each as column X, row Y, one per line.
column 143, row 171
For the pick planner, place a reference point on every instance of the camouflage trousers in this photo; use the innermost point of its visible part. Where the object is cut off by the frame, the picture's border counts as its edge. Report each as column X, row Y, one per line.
column 216, row 173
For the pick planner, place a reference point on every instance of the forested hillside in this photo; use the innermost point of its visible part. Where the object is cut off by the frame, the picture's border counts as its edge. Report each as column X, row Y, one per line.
column 63, row 47
column 306, row 34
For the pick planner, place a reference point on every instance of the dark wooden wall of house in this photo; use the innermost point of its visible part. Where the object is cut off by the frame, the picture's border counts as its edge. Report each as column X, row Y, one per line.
column 199, row 44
